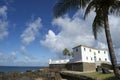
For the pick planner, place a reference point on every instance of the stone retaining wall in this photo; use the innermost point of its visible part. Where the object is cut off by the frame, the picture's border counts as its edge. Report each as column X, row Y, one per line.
column 81, row 66
column 57, row 66
column 89, row 67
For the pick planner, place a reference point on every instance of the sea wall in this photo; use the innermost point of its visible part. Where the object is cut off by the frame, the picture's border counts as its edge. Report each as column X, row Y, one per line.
column 80, row 66
column 57, row 66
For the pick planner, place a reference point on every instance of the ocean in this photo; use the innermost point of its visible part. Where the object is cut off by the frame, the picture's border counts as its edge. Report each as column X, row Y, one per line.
column 18, row 68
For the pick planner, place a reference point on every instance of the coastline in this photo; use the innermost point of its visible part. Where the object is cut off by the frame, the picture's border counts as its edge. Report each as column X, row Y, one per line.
column 7, row 69
column 55, row 74
column 28, row 75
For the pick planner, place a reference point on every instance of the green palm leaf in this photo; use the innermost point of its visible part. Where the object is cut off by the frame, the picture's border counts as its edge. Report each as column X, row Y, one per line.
column 90, row 7
column 97, row 25
column 115, row 9
column 63, row 5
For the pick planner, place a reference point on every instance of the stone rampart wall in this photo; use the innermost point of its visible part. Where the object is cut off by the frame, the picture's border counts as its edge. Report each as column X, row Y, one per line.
column 81, row 66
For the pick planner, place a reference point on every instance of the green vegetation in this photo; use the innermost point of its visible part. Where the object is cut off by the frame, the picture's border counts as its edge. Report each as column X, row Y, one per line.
column 100, row 76
column 66, row 52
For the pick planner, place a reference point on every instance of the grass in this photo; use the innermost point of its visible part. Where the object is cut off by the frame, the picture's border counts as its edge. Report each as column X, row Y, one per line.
column 100, row 76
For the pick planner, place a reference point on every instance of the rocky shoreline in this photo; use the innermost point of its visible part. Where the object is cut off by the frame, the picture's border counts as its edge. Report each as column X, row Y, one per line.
column 44, row 74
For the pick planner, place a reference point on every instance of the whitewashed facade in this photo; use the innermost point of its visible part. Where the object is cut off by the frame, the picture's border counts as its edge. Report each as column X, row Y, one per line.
column 59, row 61
column 91, row 55
column 85, row 54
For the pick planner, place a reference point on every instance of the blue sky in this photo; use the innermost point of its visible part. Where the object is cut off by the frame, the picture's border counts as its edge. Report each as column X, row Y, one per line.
column 30, row 36
column 19, row 15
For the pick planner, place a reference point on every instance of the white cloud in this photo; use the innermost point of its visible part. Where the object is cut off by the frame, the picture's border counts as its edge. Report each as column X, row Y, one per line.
column 3, row 12
column 16, row 59
column 23, row 50
column 11, row 57
column 115, row 30
column 1, row 57
column 75, row 31
column 8, row 58
column 3, row 22
column 31, row 31
column 8, row 2
column 25, row 54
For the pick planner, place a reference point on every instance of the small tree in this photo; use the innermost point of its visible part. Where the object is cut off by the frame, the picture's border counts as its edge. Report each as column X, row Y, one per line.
column 66, row 52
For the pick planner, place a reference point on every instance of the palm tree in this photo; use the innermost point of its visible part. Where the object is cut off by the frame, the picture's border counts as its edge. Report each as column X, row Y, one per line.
column 102, row 8
column 66, row 52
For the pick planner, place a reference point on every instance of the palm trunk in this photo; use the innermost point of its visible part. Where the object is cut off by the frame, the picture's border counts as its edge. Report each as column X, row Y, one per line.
column 111, row 49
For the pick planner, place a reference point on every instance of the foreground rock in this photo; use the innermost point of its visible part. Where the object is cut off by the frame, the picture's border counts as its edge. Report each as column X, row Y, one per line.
column 74, row 75
column 28, row 75
column 105, row 71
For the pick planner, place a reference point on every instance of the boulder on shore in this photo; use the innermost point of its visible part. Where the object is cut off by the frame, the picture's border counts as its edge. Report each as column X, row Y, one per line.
column 105, row 71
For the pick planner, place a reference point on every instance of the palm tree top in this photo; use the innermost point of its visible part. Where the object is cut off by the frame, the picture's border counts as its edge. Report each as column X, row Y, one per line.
column 66, row 51
column 61, row 6
column 101, row 8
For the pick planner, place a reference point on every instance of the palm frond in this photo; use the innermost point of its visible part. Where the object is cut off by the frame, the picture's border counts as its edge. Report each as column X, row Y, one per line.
column 97, row 25
column 83, row 3
column 90, row 7
column 63, row 5
column 115, row 8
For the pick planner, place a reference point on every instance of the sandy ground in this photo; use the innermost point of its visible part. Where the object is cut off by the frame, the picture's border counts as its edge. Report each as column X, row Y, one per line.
column 39, row 79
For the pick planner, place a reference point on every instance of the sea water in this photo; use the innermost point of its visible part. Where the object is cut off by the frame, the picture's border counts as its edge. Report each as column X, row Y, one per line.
column 19, row 68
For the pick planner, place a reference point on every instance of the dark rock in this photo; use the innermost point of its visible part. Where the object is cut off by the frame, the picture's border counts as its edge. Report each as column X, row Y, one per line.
column 29, row 71
column 99, row 69
column 105, row 71
column 107, row 65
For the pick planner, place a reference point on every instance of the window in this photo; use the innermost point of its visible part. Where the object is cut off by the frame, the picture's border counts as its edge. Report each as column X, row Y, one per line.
column 104, row 52
column 90, row 50
column 95, row 58
column 105, row 59
column 99, row 59
column 76, row 49
column 91, row 59
column 84, row 49
column 86, row 58
column 98, row 51
column 94, row 53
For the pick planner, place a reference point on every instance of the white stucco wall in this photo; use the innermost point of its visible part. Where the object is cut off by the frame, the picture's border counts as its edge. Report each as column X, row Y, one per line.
column 87, row 54
column 59, row 61
column 77, row 55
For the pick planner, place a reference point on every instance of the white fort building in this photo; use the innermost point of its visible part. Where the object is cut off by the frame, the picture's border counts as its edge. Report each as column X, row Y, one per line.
column 88, row 54
column 84, row 56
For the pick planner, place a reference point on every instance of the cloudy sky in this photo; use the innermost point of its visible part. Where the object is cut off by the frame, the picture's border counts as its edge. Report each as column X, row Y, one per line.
column 30, row 36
